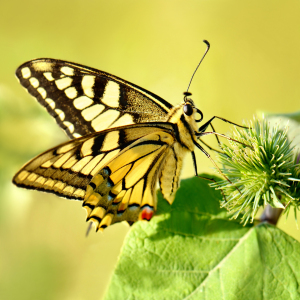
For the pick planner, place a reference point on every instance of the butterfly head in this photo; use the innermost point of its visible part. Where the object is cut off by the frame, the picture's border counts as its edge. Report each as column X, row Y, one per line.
column 189, row 107
column 185, row 116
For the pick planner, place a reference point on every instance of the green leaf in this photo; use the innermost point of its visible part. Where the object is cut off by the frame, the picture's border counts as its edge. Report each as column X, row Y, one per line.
column 291, row 116
column 192, row 251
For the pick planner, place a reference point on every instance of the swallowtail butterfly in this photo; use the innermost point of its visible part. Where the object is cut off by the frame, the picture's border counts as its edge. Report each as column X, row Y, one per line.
column 123, row 140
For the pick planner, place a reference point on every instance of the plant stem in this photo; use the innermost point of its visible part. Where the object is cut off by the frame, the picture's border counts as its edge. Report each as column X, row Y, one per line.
column 271, row 214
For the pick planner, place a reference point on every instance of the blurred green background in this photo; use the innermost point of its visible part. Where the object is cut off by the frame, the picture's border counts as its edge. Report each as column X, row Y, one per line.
column 253, row 65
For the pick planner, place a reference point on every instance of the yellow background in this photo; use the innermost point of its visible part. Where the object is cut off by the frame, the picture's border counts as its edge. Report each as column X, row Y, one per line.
column 253, row 65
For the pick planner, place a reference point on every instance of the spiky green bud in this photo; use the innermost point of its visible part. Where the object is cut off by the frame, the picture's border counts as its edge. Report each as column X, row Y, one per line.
column 267, row 172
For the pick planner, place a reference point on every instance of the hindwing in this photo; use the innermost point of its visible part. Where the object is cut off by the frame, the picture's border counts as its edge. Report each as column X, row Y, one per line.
column 125, row 188
column 85, row 100
column 113, row 171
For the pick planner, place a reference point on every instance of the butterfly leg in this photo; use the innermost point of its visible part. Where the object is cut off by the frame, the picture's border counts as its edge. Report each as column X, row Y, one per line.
column 202, row 177
column 209, row 147
column 213, row 129
column 195, row 168
column 222, row 135
column 213, row 162
column 205, row 125
column 209, row 123
column 195, row 163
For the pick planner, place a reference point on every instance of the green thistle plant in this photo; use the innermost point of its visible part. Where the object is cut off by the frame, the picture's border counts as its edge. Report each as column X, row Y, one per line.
column 266, row 172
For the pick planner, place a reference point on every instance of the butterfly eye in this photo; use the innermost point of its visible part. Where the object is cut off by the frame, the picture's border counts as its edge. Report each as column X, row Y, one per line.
column 188, row 109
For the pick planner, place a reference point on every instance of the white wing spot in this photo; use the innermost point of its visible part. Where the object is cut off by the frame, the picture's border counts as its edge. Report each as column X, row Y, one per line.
column 40, row 180
column 43, row 66
column 50, row 102
column 124, row 120
column 34, row 82
column 104, row 161
column 59, row 185
column 47, row 164
column 98, row 158
column 111, row 94
column 60, row 114
column 70, row 162
column 48, row 76
column 77, row 135
column 70, row 126
column 91, row 165
column 67, row 70
column 69, row 190
column 81, row 163
column 32, row 177
column 105, row 120
column 62, row 160
column 111, row 141
column 63, row 82
column 93, row 111
column 65, row 148
column 23, row 175
column 49, row 183
column 43, row 92
column 87, row 84
column 86, row 148
column 26, row 72
column 79, row 193
column 71, row 92
column 82, row 102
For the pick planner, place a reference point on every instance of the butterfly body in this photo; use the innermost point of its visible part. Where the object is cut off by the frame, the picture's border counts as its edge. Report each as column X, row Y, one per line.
column 125, row 139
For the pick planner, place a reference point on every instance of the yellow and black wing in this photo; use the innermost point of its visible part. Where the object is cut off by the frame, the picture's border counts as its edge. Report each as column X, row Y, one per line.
column 126, row 191
column 114, row 171
column 84, row 100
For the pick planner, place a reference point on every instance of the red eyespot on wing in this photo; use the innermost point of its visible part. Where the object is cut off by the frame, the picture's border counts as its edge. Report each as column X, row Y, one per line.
column 146, row 213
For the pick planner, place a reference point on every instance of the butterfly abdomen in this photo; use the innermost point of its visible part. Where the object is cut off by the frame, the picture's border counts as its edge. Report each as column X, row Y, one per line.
column 170, row 173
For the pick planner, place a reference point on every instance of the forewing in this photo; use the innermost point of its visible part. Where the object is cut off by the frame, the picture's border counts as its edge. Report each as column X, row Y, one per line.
column 84, row 100
column 124, row 190
column 67, row 169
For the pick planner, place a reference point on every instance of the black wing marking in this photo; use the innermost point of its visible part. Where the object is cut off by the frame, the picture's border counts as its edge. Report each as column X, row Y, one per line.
column 66, row 170
column 84, row 100
column 124, row 190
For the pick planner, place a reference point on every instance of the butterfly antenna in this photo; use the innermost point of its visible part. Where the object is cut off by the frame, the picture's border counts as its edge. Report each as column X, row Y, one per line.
column 208, row 46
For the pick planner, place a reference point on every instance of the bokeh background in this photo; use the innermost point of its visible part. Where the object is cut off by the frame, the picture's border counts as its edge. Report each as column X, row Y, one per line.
column 253, row 65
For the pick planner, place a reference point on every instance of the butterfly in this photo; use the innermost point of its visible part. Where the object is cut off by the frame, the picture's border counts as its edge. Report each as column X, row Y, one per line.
column 124, row 139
